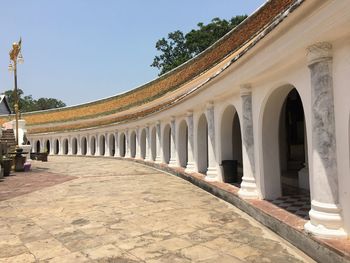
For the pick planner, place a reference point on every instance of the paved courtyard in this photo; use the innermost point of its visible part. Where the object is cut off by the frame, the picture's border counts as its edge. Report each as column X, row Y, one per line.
column 105, row 210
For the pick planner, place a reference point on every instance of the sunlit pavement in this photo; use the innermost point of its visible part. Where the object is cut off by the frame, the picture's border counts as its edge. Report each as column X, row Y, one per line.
column 117, row 211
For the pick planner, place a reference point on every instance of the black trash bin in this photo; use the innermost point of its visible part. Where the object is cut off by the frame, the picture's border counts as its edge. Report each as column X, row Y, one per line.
column 230, row 172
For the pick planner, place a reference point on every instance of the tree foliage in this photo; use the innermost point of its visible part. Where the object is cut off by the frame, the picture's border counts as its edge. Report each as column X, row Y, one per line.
column 27, row 103
column 180, row 47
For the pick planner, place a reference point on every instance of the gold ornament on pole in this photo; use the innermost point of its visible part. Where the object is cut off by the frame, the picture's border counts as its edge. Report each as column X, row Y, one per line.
column 16, row 58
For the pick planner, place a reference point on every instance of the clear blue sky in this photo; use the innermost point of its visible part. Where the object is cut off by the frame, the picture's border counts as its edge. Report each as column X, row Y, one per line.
column 83, row 50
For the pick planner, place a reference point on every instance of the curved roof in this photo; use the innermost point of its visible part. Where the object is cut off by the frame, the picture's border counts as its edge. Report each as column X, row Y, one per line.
column 169, row 88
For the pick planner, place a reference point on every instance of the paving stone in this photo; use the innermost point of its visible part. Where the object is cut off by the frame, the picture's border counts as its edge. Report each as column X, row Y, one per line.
column 117, row 211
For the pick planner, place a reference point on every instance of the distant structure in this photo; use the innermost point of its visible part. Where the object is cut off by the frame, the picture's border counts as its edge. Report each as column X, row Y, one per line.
column 269, row 102
column 4, row 105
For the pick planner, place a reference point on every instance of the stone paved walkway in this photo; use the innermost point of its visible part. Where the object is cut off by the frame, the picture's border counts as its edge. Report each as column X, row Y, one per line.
column 118, row 211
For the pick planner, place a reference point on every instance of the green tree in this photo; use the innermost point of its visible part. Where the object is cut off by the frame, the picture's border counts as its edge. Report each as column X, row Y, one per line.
column 27, row 103
column 178, row 48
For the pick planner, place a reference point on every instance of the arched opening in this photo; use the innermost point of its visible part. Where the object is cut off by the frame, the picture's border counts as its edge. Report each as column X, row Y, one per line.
column 133, row 144
column 153, row 143
column 93, row 145
column 183, row 143
column 38, row 146
column 166, row 143
column 122, row 144
column 48, row 146
column 57, row 146
column 285, row 151
column 83, row 145
column 74, row 146
column 111, row 143
column 231, row 147
column 202, row 144
column 143, row 144
column 65, row 146
column 102, row 143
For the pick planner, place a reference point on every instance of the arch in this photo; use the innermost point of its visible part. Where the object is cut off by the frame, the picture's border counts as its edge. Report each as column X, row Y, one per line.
column 231, row 146
column 202, row 144
column 284, row 143
column 93, row 145
column 166, row 143
column 153, row 143
column 133, row 144
column 183, row 143
column 57, row 146
column 65, row 146
column 111, row 143
column 83, row 145
column 74, row 146
column 37, row 146
column 143, row 143
column 122, row 144
column 47, row 146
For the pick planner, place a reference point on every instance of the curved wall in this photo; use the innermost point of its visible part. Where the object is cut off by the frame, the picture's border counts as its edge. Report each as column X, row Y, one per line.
column 183, row 119
column 127, row 106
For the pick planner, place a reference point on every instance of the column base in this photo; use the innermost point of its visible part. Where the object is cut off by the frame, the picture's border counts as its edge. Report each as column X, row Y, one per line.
column 325, row 221
column 190, row 168
column 158, row 159
column 212, row 174
column 173, row 163
column 248, row 189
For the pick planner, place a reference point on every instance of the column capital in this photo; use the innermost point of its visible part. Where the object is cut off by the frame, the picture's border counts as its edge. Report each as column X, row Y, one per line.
column 319, row 52
column 246, row 90
column 189, row 113
column 172, row 119
column 209, row 105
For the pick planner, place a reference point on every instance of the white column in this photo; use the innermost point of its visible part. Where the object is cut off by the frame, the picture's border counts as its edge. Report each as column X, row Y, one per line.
column 97, row 145
column 127, row 145
column 159, row 152
column 190, row 167
column 248, row 186
column 173, row 159
column 79, row 145
column 148, row 145
column 70, row 148
column 138, row 144
column 116, row 147
column 60, row 150
column 212, row 172
column 325, row 214
column 52, row 147
column 88, row 145
column 106, row 144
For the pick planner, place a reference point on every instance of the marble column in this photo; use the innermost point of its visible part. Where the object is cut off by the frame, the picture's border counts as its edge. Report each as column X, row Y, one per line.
column 325, row 214
column 248, row 186
column 148, row 156
column 190, row 166
column 116, row 146
column 138, row 144
column 173, row 161
column 212, row 172
column 159, row 152
column 127, row 145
